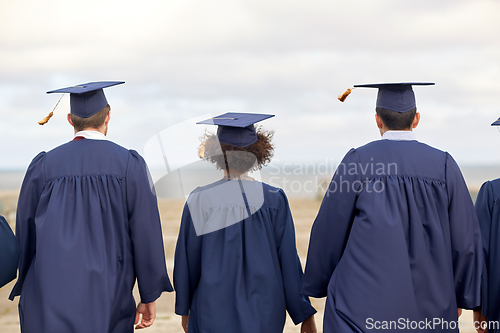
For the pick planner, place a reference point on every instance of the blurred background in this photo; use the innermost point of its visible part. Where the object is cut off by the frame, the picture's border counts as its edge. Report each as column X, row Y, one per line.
column 185, row 59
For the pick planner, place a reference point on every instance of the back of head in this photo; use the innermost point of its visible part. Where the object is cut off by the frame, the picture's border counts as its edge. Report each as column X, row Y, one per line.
column 238, row 146
column 95, row 121
column 397, row 120
column 240, row 159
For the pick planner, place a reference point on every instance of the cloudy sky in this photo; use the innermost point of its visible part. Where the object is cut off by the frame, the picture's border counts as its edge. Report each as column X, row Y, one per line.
column 185, row 59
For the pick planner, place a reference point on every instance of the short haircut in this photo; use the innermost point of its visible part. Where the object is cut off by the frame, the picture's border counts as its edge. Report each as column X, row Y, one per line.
column 94, row 121
column 259, row 153
column 397, row 120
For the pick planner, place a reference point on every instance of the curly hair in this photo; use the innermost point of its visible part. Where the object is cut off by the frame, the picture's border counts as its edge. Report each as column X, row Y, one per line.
column 253, row 158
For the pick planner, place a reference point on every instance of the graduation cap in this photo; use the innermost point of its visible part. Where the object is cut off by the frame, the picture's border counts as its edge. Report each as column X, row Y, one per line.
column 397, row 97
column 85, row 99
column 496, row 123
column 235, row 128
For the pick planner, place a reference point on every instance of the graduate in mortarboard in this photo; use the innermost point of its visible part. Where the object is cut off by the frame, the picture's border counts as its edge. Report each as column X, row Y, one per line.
column 396, row 245
column 488, row 214
column 236, row 265
column 88, row 227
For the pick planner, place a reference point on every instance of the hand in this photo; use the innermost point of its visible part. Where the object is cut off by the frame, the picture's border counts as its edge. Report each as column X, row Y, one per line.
column 308, row 325
column 480, row 321
column 184, row 323
column 148, row 312
column 459, row 312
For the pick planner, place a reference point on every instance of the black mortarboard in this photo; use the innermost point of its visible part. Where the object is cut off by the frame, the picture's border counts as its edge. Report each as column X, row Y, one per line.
column 397, row 97
column 87, row 99
column 235, row 128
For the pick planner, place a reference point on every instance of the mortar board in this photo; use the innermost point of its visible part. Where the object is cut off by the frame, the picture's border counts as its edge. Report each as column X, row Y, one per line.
column 397, row 97
column 496, row 123
column 235, row 128
column 87, row 99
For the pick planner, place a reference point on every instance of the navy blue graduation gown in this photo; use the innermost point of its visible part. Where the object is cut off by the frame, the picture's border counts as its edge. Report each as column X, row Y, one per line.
column 242, row 277
column 88, row 226
column 395, row 242
column 9, row 253
column 488, row 213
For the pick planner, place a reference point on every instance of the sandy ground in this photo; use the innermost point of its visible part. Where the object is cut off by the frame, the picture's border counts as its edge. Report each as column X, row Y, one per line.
column 303, row 212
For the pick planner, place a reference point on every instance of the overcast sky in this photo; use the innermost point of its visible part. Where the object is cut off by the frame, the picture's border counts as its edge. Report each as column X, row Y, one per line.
column 186, row 59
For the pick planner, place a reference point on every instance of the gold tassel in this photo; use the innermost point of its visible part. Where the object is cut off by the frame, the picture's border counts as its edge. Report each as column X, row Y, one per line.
column 345, row 94
column 46, row 119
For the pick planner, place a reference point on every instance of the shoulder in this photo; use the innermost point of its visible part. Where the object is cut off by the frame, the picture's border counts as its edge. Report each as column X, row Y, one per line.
column 274, row 197
column 136, row 165
column 451, row 164
column 415, row 146
column 39, row 158
column 204, row 188
column 272, row 189
column 209, row 193
column 494, row 183
column 491, row 188
column 91, row 157
column 134, row 155
column 415, row 158
column 110, row 146
column 95, row 148
column 37, row 162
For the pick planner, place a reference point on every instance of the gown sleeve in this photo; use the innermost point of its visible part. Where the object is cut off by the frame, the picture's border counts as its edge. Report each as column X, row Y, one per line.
column 465, row 239
column 484, row 211
column 187, row 267
column 9, row 253
column 331, row 227
column 145, row 232
column 298, row 306
column 29, row 197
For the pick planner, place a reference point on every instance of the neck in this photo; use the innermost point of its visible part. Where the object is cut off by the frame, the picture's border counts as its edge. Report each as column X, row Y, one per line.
column 234, row 174
column 385, row 129
column 102, row 129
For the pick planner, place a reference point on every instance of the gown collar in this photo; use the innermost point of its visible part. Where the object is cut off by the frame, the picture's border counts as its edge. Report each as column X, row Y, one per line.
column 399, row 136
column 94, row 135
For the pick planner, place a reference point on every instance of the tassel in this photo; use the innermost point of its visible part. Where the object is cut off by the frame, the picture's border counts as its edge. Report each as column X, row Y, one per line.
column 46, row 119
column 345, row 94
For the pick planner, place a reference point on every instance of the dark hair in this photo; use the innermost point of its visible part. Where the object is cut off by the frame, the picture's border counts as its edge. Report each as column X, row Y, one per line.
column 396, row 120
column 94, row 121
column 259, row 153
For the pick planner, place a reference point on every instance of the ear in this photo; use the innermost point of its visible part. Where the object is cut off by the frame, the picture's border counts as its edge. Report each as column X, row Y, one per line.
column 379, row 121
column 108, row 117
column 69, row 120
column 416, row 120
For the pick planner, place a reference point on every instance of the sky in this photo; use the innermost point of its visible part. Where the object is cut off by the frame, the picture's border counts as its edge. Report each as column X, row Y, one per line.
column 185, row 60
